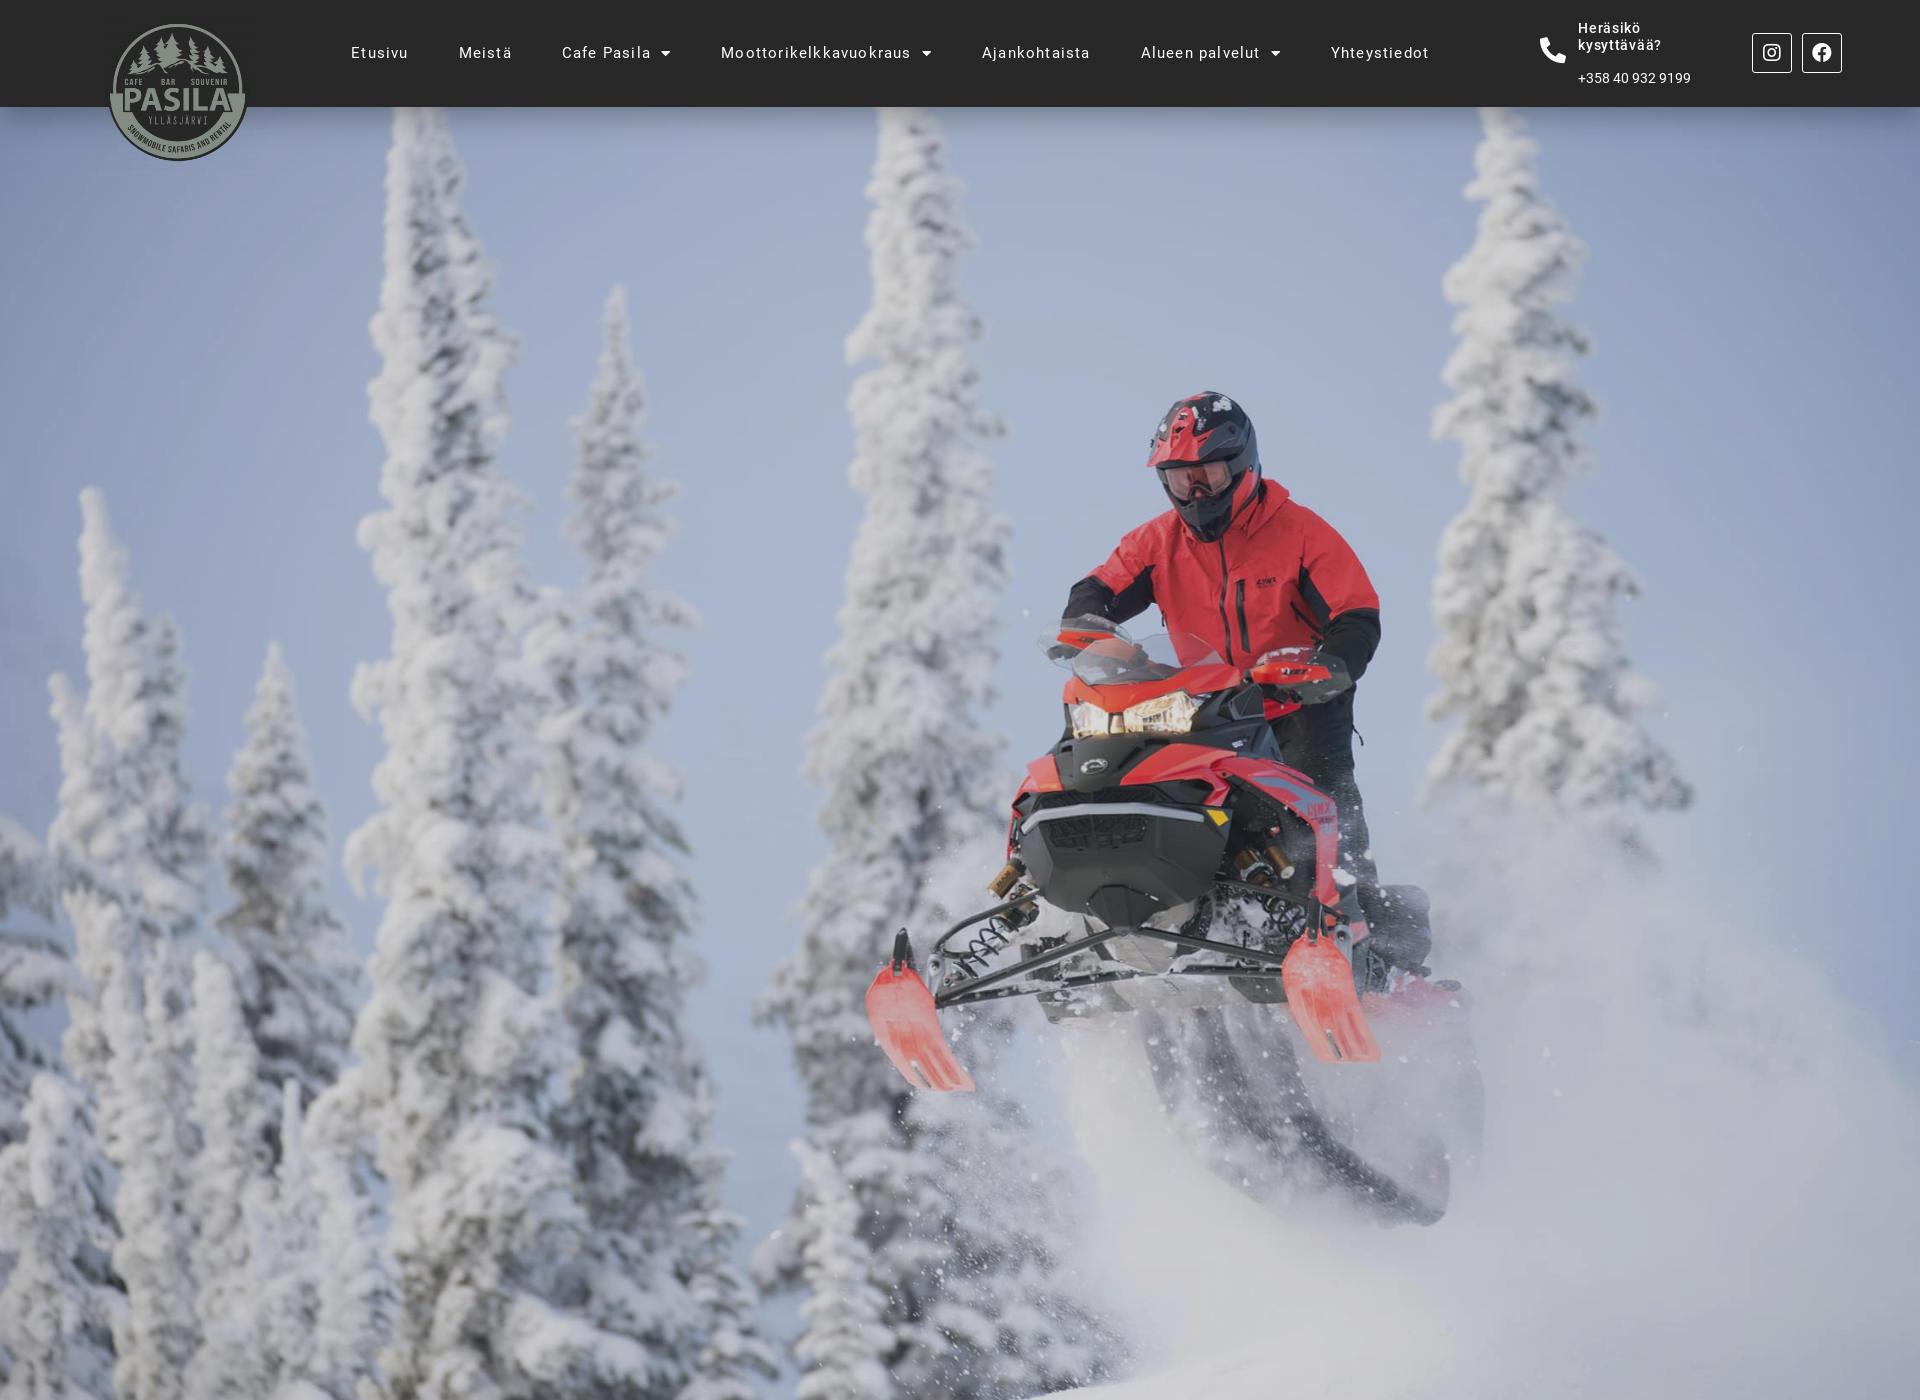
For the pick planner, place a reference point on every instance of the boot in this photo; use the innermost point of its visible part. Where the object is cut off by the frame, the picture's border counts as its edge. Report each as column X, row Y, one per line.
column 1398, row 933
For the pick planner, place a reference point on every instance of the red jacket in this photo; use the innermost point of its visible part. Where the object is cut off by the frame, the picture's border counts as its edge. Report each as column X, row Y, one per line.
column 1279, row 577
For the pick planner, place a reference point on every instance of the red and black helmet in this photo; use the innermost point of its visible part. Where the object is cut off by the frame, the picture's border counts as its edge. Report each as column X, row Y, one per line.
column 1204, row 449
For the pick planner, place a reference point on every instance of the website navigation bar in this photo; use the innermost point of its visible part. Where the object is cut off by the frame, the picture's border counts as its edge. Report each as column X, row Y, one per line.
column 1336, row 61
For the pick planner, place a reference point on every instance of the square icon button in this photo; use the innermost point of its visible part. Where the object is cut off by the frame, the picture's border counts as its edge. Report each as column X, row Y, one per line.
column 1820, row 53
column 1773, row 53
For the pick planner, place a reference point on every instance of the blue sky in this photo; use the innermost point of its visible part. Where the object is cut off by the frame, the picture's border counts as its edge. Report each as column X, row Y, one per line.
column 192, row 338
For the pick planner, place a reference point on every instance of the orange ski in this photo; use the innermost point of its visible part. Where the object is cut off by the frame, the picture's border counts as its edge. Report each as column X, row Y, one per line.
column 1319, row 985
column 907, row 1026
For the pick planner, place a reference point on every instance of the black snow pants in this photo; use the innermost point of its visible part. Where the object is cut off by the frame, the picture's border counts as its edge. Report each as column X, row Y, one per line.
column 1318, row 740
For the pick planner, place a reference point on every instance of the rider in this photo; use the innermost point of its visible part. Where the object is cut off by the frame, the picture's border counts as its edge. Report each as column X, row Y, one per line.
column 1246, row 569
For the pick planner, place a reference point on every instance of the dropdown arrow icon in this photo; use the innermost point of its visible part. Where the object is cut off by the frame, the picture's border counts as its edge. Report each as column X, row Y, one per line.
column 926, row 53
column 665, row 52
column 1274, row 52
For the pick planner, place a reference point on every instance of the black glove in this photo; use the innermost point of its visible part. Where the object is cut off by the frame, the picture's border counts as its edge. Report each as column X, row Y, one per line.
column 1084, row 627
column 1338, row 680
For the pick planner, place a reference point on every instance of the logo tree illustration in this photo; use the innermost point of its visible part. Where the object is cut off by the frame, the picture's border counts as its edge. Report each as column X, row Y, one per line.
column 142, row 64
column 213, row 62
column 167, row 52
column 193, row 54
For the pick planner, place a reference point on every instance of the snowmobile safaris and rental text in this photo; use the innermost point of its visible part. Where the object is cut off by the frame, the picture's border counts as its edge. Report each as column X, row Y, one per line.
column 1199, row 875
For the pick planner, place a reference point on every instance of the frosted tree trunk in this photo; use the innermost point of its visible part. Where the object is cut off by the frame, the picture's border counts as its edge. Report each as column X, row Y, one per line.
column 1531, row 658
column 458, row 1048
column 912, row 809
column 300, row 981
column 631, row 1122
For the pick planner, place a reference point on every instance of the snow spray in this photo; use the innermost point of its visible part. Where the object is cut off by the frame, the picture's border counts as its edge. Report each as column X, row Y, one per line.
column 1696, row 1177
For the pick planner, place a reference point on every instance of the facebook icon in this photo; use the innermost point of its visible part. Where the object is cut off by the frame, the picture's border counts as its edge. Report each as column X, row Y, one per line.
column 1820, row 53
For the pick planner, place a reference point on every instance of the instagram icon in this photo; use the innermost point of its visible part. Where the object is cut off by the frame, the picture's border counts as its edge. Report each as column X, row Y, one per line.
column 1773, row 53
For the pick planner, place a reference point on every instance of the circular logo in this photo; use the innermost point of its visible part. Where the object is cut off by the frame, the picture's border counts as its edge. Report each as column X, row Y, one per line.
column 1094, row 765
column 176, row 92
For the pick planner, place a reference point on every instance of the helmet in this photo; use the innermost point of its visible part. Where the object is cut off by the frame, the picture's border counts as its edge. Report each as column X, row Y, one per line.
column 1204, row 449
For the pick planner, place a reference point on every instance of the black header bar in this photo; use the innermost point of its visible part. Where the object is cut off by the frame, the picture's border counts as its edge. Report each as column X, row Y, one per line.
column 1772, row 56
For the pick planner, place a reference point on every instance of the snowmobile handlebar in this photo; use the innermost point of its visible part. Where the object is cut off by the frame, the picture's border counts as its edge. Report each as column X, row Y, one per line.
column 1100, row 653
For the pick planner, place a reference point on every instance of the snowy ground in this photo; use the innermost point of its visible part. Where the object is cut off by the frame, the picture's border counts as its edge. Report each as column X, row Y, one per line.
column 1697, row 1182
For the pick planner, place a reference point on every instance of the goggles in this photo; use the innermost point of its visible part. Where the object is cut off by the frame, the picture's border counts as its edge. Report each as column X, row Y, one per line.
column 1185, row 479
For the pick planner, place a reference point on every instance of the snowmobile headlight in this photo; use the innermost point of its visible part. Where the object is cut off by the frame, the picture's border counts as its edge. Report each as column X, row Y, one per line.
column 1089, row 721
column 1164, row 714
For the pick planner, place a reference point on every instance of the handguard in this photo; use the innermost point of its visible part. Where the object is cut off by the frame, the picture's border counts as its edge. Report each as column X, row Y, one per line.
column 1288, row 666
column 1074, row 638
column 1308, row 678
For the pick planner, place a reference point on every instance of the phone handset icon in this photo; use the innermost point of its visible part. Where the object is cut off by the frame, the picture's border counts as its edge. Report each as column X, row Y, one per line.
column 1546, row 47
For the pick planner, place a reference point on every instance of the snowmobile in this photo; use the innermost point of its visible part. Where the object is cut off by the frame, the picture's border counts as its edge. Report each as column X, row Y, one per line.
column 1201, row 888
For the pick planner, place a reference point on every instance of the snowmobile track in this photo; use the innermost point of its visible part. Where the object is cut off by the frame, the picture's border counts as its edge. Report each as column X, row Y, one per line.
column 1286, row 1123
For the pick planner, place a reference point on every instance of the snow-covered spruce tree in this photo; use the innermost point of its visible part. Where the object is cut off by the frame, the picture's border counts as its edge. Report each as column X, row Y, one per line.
column 458, row 1050
column 284, row 1261
column 300, row 981
column 733, row 1345
column 82, row 846
column 129, row 847
column 34, row 970
column 355, row 1295
column 230, row 1187
column 58, row 1313
column 159, row 1332
column 846, row 1334
column 168, row 881
column 978, row 1300
column 1531, row 659
column 294, row 1352
column 630, row 1120
column 125, row 811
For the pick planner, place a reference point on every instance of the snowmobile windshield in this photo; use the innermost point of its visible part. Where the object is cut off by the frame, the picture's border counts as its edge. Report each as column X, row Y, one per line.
column 1119, row 660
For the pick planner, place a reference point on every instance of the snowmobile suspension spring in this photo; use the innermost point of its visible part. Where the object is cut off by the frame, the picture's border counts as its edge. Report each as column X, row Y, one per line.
column 993, row 936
